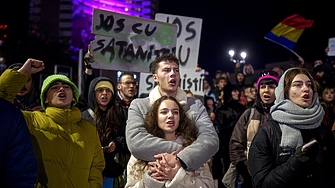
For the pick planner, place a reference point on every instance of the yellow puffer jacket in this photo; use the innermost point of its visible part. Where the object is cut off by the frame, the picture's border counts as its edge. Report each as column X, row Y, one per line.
column 66, row 146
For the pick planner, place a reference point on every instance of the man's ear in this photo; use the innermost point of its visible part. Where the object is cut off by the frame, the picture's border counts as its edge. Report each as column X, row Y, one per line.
column 118, row 86
column 154, row 77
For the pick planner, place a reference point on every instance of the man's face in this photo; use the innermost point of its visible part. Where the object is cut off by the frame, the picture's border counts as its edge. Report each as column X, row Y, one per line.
column 127, row 87
column 26, row 88
column 250, row 93
column 278, row 70
column 240, row 77
column 167, row 77
column 59, row 95
column 222, row 83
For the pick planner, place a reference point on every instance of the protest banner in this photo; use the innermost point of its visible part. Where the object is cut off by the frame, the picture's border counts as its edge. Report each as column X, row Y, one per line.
column 188, row 38
column 331, row 45
column 189, row 80
column 129, row 43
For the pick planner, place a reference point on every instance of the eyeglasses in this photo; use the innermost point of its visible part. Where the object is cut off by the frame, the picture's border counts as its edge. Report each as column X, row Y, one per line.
column 271, row 73
column 128, row 83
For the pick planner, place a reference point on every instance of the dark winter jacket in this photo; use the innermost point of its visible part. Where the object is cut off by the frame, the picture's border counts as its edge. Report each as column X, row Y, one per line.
column 18, row 166
column 274, row 166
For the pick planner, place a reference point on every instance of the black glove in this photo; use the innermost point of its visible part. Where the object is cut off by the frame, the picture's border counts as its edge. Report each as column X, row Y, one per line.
column 88, row 61
column 310, row 153
column 244, row 172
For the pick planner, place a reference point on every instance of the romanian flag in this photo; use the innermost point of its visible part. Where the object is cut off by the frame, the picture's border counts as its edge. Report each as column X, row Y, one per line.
column 287, row 32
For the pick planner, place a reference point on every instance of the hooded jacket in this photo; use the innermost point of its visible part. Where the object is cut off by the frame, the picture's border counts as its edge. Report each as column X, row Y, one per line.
column 112, row 169
column 272, row 159
column 66, row 146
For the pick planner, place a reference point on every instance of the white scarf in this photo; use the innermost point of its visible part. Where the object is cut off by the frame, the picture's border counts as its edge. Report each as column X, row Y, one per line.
column 155, row 94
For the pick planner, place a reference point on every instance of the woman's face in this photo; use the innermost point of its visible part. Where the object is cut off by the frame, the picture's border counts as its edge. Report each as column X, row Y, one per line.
column 103, row 97
column 329, row 95
column 235, row 94
column 301, row 92
column 267, row 93
column 168, row 116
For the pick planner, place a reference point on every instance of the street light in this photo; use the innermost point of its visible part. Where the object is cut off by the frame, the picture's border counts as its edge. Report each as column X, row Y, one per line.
column 243, row 55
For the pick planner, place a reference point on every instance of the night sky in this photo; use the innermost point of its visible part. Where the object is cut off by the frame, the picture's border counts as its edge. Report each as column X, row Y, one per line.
column 236, row 24
column 242, row 25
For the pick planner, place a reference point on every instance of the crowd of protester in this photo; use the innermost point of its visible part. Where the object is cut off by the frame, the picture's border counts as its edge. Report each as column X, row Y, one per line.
column 236, row 131
column 224, row 124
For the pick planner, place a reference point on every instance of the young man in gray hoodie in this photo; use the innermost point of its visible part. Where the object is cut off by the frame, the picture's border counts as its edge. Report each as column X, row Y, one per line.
column 144, row 146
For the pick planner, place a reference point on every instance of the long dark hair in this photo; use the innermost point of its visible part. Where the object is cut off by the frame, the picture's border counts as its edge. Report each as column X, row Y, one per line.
column 186, row 128
column 107, row 122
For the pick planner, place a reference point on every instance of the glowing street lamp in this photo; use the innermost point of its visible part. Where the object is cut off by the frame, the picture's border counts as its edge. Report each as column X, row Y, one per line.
column 243, row 55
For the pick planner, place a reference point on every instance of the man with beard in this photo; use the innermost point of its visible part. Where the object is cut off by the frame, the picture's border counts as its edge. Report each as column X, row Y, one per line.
column 29, row 97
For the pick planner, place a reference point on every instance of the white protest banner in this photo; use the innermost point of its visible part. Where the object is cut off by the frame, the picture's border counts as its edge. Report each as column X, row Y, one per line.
column 129, row 43
column 146, row 83
column 189, row 80
column 188, row 38
column 331, row 46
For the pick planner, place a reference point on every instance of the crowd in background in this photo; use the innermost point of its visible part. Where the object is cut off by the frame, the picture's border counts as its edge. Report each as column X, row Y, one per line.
column 236, row 108
column 226, row 100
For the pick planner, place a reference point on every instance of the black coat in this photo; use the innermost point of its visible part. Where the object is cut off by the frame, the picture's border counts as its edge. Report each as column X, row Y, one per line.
column 272, row 166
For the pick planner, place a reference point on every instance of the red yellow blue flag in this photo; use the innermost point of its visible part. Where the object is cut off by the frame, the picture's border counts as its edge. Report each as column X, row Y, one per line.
column 288, row 31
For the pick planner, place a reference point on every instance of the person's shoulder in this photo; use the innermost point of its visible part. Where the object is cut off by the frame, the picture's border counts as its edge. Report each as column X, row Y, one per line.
column 86, row 123
column 7, row 106
column 140, row 103
column 140, row 100
column 194, row 102
column 190, row 99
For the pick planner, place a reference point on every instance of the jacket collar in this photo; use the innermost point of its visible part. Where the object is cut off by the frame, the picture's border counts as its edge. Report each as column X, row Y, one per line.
column 155, row 94
column 64, row 116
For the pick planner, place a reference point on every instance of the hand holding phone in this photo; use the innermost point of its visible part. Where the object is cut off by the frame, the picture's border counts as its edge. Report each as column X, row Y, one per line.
column 308, row 145
column 308, row 151
column 105, row 147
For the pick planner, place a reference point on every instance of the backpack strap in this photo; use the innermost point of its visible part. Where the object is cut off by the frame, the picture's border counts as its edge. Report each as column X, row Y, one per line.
column 252, row 111
column 250, row 132
column 90, row 111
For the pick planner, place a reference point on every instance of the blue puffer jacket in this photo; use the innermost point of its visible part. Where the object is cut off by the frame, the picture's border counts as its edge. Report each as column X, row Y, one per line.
column 18, row 165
